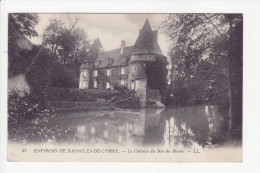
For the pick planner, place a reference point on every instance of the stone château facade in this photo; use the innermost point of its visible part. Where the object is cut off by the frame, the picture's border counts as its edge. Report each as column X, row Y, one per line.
column 141, row 67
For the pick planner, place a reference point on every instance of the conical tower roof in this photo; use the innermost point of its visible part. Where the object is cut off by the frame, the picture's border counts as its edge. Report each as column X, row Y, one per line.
column 147, row 41
column 94, row 50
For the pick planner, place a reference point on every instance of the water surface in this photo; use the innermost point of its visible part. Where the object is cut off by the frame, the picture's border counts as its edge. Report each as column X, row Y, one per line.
column 185, row 127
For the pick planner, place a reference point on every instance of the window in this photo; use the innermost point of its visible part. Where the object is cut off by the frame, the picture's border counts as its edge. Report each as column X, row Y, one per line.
column 95, row 73
column 122, row 70
column 132, row 85
column 84, row 73
column 107, row 85
column 122, row 82
column 123, row 59
column 108, row 72
column 84, row 84
column 95, row 83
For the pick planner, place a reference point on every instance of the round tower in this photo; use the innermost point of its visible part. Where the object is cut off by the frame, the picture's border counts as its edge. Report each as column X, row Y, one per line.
column 146, row 51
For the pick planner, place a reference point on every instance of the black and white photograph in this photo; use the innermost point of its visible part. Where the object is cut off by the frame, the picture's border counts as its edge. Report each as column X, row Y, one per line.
column 121, row 84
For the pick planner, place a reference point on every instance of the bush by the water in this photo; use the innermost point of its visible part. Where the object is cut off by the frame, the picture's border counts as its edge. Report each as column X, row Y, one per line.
column 69, row 94
column 120, row 87
column 63, row 77
column 126, row 100
column 25, row 107
column 27, row 118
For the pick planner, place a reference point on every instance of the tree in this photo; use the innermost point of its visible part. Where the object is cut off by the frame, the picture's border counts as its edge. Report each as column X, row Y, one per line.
column 65, row 40
column 23, row 23
column 20, row 26
column 63, row 77
column 209, row 46
column 39, row 71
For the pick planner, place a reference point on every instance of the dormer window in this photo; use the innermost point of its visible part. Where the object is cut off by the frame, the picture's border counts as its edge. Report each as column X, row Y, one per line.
column 97, row 63
column 95, row 73
column 110, row 61
column 123, row 71
column 123, row 59
column 108, row 72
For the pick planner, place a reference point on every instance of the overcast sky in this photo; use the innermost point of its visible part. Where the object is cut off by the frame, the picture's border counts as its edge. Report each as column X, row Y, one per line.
column 109, row 28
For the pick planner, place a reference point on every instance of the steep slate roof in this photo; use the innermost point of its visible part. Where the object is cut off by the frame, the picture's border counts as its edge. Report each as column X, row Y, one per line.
column 115, row 55
column 147, row 41
column 92, row 54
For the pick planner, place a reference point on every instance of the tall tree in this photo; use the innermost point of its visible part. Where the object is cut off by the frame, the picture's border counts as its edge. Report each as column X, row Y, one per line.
column 66, row 40
column 209, row 46
column 22, row 23
column 20, row 26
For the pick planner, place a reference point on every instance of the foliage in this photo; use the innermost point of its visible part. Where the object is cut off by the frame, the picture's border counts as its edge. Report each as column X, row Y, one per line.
column 19, row 60
column 68, row 43
column 20, row 26
column 126, row 100
column 39, row 71
column 120, row 87
column 152, row 94
column 156, row 77
column 198, row 55
column 206, row 55
column 23, row 23
column 63, row 77
column 23, row 107
column 28, row 118
column 69, row 94
column 131, row 103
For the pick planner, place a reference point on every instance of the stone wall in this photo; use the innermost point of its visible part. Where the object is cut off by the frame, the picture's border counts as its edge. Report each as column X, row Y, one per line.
column 153, row 94
column 113, row 79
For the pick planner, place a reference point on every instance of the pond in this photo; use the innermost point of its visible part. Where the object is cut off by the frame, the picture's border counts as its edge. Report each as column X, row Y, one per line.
column 184, row 127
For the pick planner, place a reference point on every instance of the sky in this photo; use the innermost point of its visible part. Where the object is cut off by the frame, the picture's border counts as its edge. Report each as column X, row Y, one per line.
column 109, row 28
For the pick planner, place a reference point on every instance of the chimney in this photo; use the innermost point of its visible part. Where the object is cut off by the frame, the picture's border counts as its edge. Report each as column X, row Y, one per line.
column 122, row 46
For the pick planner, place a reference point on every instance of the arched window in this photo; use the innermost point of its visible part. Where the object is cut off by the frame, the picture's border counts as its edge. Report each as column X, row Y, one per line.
column 84, row 84
column 85, row 73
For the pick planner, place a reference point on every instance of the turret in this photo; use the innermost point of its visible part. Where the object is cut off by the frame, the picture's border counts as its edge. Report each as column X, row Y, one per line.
column 147, row 41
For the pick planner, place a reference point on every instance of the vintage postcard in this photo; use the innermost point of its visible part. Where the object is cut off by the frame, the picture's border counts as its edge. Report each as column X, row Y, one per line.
column 125, row 87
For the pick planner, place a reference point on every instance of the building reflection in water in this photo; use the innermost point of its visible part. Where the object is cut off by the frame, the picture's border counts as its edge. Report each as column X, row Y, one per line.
column 179, row 127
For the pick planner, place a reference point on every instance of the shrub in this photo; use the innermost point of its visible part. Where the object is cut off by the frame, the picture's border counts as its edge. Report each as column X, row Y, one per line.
column 69, row 94
column 120, row 87
column 25, row 113
column 23, row 107
column 63, row 77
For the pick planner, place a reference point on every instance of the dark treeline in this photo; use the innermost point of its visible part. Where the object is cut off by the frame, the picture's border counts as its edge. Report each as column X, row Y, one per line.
column 206, row 62
column 54, row 63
